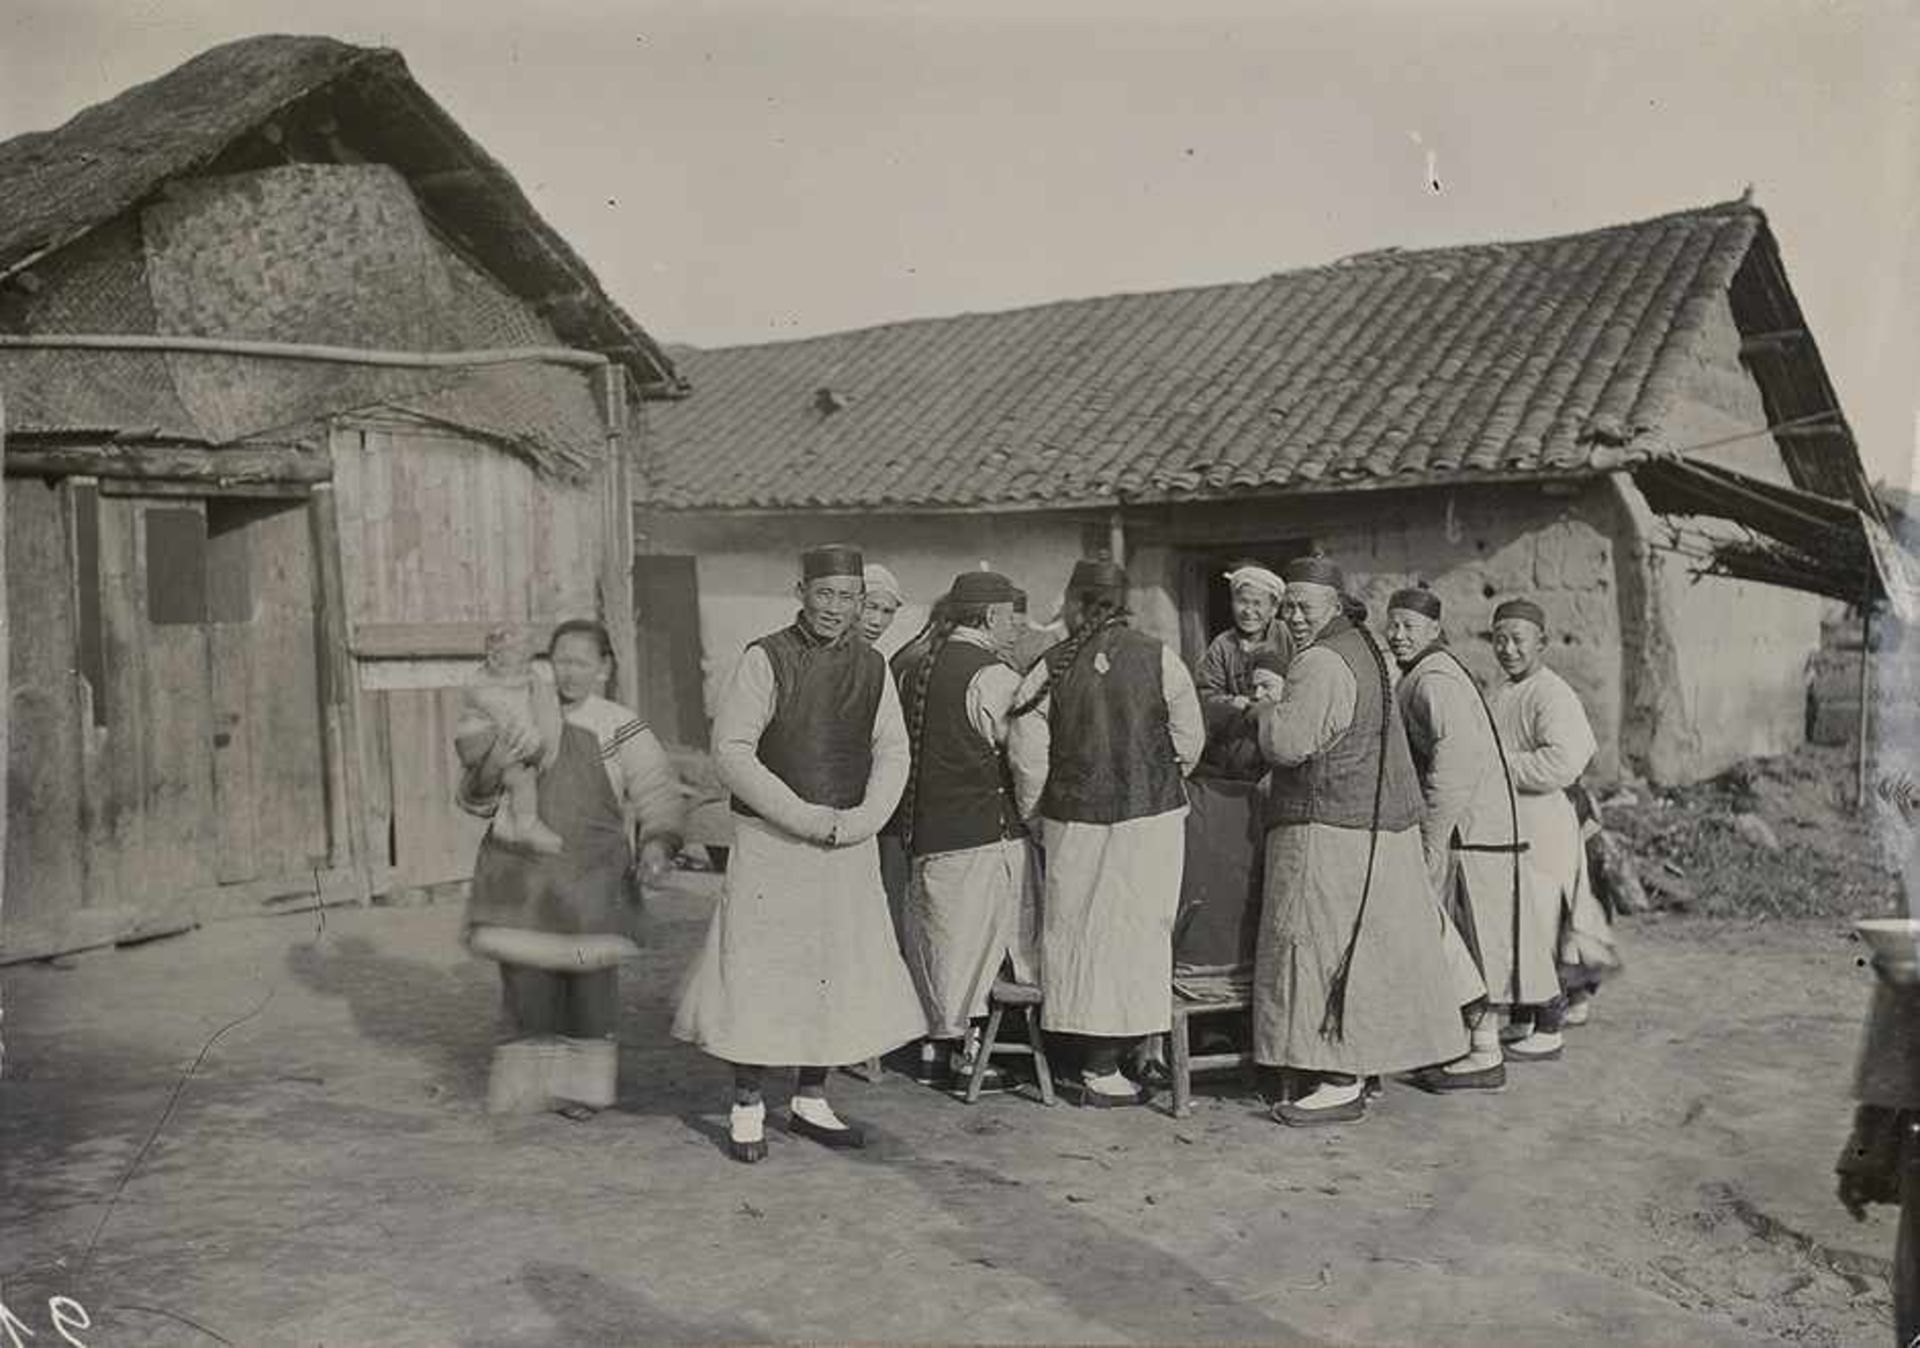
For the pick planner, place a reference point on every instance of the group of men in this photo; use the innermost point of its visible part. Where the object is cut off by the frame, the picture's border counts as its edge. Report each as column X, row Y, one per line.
column 1417, row 876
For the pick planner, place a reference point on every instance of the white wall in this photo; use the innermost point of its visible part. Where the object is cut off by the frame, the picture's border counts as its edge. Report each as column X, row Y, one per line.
column 747, row 566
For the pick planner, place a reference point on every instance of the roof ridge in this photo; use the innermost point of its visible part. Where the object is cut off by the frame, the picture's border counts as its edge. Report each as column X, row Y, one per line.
column 1393, row 255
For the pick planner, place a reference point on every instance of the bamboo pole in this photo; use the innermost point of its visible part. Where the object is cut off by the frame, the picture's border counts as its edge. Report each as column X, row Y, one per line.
column 6, row 698
column 1866, row 702
column 616, row 537
column 345, row 766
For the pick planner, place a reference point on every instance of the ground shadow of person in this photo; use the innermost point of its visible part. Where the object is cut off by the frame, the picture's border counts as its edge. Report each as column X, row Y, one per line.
column 444, row 1014
column 587, row 1309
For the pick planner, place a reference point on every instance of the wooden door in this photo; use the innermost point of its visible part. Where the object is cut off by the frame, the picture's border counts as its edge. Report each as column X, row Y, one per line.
column 207, row 772
column 666, row 601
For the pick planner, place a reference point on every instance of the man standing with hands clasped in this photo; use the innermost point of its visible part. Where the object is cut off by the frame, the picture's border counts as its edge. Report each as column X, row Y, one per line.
column 800, row 965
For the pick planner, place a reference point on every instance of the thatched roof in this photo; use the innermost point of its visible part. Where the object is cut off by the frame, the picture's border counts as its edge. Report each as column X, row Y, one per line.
column 272, row 100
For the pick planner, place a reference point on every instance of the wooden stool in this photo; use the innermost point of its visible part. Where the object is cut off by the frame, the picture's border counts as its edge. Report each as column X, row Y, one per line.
column 1184, row 1063
column 1027, row 997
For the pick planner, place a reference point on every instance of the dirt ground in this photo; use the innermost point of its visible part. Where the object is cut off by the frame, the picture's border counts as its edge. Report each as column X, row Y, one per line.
column 328, row 1175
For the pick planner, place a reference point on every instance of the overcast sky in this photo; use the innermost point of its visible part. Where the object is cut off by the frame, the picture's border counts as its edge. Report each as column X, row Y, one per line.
column 741, row 172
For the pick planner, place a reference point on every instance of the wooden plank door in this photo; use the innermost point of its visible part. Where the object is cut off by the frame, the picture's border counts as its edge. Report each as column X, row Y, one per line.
column 433, row 840
column 152, row 824
column 666, row 599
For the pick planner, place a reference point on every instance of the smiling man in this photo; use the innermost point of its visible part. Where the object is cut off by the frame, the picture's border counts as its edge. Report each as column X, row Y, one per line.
column 1548, row 744
column 800, row 966
column 1353, row 975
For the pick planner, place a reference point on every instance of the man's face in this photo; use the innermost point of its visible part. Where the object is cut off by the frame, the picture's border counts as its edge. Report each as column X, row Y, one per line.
column 1268, row 686
column 876, row 615
column 1409, row 633
column 829, row 605
column 1253, row 610
column 1306, row 608
column 1518, row 645
column 1003, row 626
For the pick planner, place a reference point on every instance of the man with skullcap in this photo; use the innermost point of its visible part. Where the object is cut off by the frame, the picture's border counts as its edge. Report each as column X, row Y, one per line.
column 1470, row 833
column 1548, row 744
column 1106, row 729
column 800, row 966
column 970, row 906
column 883, row 600
column 1353, row 976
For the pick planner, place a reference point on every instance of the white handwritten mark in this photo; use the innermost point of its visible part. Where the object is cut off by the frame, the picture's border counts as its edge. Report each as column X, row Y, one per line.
column 65, row 1312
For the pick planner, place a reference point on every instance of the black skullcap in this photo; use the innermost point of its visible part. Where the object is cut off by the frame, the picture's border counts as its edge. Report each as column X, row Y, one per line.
column 1417, row 599
column 981, row 587
column 1522, row 608
column 832, row 559
column 1314, row 570
column 1092, row 574
column 1267, row 658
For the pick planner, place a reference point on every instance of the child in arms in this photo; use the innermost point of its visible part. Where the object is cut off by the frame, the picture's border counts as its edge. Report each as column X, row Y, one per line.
column 509, row 692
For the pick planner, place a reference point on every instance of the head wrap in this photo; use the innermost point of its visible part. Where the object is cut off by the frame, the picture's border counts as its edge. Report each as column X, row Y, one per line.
column 832, row 559
column 1256, row 578
column 981, row 587
column 1522, row 608
column 1093, row 574
column 1418, row 599
column 882, row 581
column 1314, row 570
column 1267, row 658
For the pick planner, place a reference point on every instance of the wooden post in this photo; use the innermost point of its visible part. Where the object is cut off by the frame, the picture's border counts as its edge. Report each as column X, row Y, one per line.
column 616, row 535
column 6, row 691
column 1866, row 703
column 1117, row 537
column 346, row 770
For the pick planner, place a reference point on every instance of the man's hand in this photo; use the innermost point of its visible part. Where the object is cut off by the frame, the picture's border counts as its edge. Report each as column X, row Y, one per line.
column 655, row 861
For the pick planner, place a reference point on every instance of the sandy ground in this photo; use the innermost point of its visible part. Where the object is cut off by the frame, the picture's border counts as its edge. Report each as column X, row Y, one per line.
column 328, row 1176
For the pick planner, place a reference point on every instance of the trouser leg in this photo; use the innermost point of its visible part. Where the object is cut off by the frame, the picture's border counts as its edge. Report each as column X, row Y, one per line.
column 1103, row 1053
column 534, row 1000
column 591, row 1004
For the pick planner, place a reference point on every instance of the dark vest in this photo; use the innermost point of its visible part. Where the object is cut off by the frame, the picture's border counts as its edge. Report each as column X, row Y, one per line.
column 1112, row 756
column 1336, row 786
column 826, row 694
column 964, row 798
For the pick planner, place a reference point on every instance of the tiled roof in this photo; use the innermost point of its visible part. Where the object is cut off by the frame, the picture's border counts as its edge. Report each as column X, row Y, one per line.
column 1558, row 355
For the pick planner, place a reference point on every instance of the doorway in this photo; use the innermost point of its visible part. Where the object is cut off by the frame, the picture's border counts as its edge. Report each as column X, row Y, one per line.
column 1206, row 603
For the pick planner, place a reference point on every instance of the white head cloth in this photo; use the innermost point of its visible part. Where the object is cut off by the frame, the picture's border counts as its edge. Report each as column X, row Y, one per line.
column 881, row 581
column 1258, row 578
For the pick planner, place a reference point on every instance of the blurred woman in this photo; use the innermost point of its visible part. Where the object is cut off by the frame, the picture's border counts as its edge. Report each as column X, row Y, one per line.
column 559, row 924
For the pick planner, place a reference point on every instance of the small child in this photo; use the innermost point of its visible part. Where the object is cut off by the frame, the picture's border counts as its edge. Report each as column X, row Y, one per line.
column 1268, row 675
column 506, row 693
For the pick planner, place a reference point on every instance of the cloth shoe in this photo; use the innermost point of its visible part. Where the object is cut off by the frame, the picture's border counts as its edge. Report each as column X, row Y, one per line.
column 812, row 1117
column 1329, row 1102
column 747, row 1133
column 1539, row 1046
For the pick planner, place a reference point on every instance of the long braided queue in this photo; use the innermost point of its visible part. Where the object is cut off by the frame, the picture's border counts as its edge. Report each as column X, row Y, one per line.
column 1333, row 1023
column 1513, row 813
column 1062, row 658
column 915, row 711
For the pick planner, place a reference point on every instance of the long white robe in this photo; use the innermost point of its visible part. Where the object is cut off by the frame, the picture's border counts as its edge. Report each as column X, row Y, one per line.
column 1549, row 743
column 1468, row 806
column 801, row 966
column 967, row 911
column 1111, row 890
column 1410, row 973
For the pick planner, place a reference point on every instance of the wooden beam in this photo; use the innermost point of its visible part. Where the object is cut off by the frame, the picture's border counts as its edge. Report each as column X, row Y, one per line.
column 1826, row 430
column 616, row 536
column 205, row 467
column 256, row 491
column 341, row 680
column 435, row 641
column 1756, row 342
column 6, row 687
